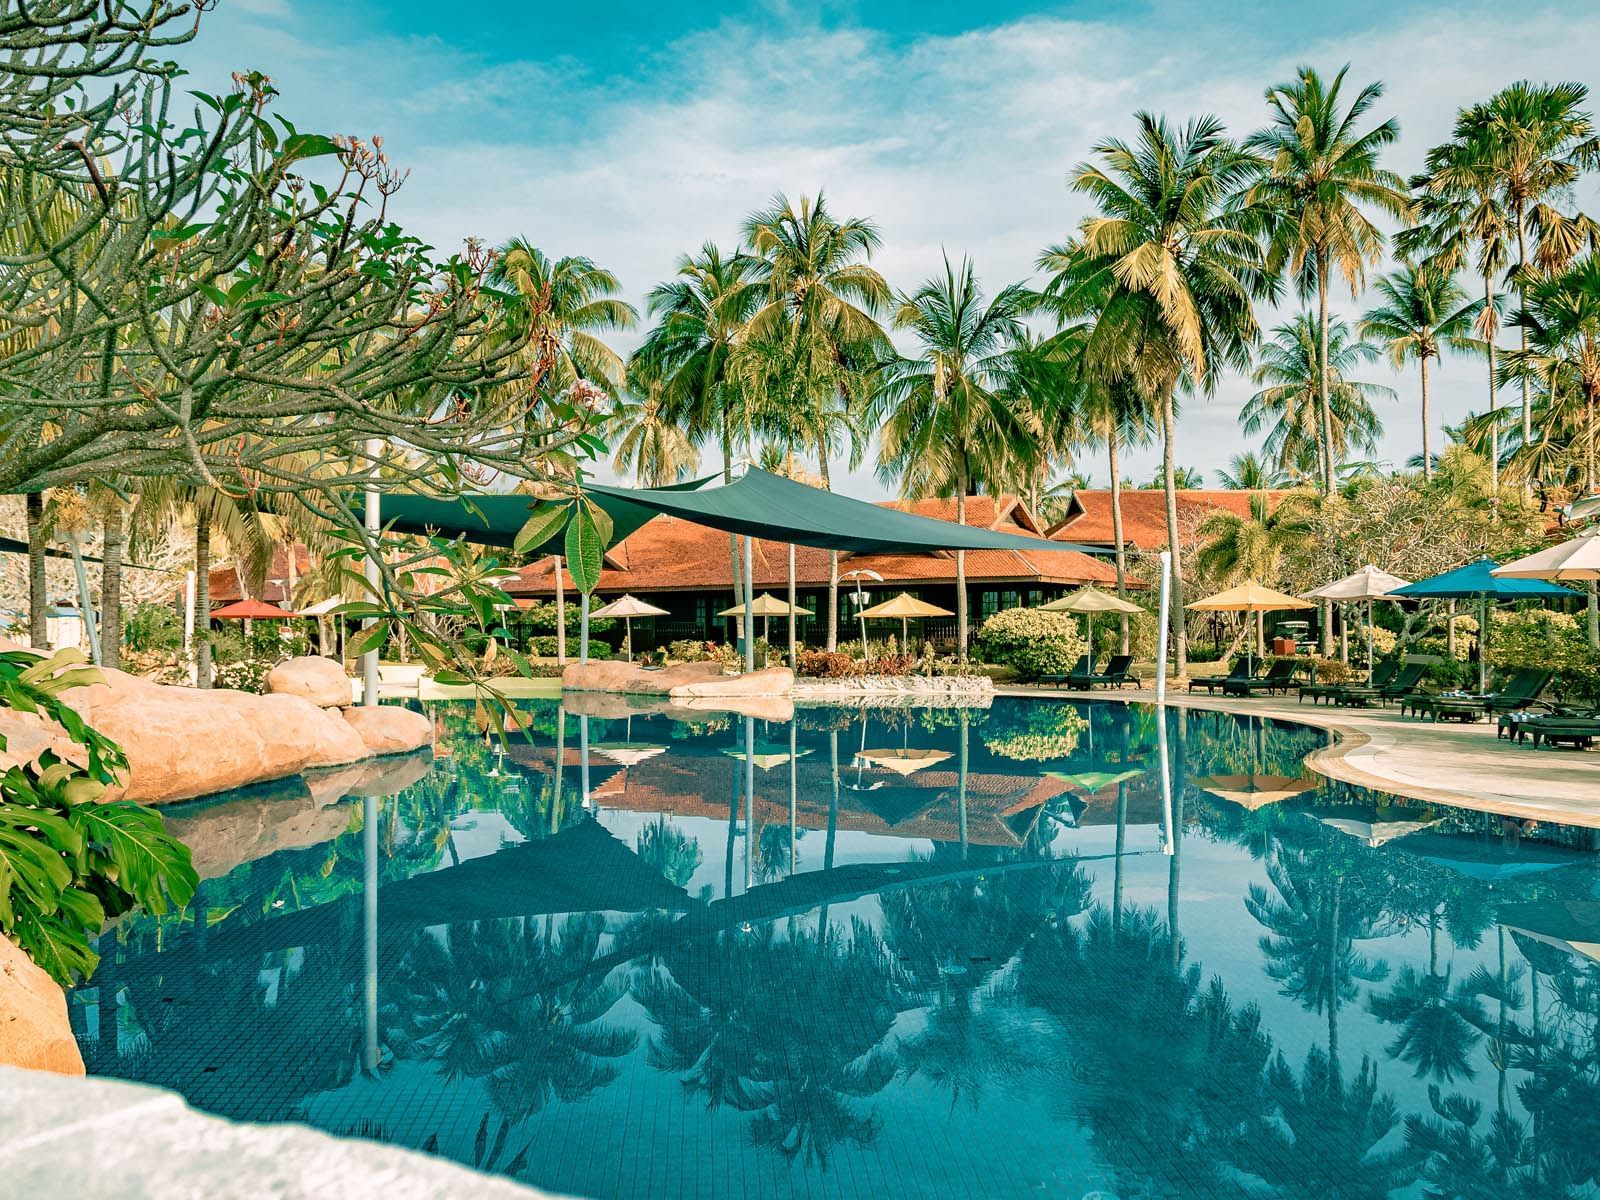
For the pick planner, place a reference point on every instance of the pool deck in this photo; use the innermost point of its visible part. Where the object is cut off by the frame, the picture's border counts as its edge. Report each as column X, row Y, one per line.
column 1448, row 763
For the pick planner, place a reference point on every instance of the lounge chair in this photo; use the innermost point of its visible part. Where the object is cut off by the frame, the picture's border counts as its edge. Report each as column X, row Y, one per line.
column 1380, row 677
column 1240, row 673
column 1406, row 682
column 1577, row 729
column 1081, row 671
column 1280, row 677
column 1118, row 671
column 1518, row 691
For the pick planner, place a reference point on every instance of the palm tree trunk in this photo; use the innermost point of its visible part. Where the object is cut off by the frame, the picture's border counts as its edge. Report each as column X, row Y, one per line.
column 833, row 569
column 1427, row 424
column 113, row 537
column 1116, row 533
column 1179, row 616
column 1494, row 392
column 1522, row 300
column 1324, row 407
column 38, row 587
column 961, row 570
column 202, row 596
column 727, row 477
column 1588, row 437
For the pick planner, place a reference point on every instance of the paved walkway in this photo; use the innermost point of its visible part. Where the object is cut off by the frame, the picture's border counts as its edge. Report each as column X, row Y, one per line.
column 1448, row 763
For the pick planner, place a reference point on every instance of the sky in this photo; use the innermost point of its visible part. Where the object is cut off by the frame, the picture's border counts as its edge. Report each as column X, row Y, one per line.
column 634, row 131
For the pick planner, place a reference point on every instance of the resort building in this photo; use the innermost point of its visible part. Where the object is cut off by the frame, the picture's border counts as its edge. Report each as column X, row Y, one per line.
column 687, row 569
column 1144, row 515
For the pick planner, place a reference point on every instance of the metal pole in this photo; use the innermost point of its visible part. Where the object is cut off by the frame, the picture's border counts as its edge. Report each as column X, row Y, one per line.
column 369, row 929
column 749, row 783
column 794, row 800
column 583, row 627
column 792, row 615
column 1161, row 637
column 583, row 757
column 84, row 606
column 561, row 613
column 961, row 787
column 749, row 605
column 1170, row 842
column 369, row 660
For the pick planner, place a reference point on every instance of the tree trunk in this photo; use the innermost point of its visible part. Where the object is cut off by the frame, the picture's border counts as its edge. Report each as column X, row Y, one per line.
column 1324, row 406
column 1522, row 300
column 833, row 571
column 1427, row 424
column 1588, row 438
column 961, row 573
column 1179, row 616
column 202, row 597
column 112, row 540
column 727, row 477
column 1116, row 534
column 38, row 587
column 1592, row 605
column 1494, row 394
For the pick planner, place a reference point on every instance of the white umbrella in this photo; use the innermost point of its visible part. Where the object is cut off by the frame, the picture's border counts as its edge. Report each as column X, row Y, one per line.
column 1578, row 558
column 1367, row 584
column 628, row 607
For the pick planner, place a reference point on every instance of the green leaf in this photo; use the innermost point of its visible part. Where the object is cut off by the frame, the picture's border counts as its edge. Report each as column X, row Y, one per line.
column 540, row 527
column 367, row 639
column 305, row 145
column 585, row 550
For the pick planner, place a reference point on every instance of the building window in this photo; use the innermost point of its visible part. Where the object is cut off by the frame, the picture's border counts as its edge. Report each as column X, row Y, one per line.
column 988, row 604
column 700, row 613
column 1010, row 599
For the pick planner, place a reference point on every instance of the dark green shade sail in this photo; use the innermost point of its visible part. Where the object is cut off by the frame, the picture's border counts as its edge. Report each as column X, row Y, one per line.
column 1474, row 581
column 769, row 506
column 759, row 504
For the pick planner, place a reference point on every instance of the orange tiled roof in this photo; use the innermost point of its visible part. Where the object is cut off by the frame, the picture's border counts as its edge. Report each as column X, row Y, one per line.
column 670, row 554
column 225, row 580
column 1144, row 514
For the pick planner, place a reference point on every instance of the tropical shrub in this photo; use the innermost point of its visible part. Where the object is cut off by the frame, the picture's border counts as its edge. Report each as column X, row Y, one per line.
column 1539, row 637
column 545, row 645
column 68, row 860
column 1034, row 643
column 1331, row 670
column 153, row 628
column 1038, row 733
column 541, row 617
column 823, row 664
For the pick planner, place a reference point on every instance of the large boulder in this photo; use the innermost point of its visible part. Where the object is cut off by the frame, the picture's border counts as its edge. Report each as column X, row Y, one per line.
column 387, row 729
column 334, row 741
column 613, row 676
column 182, row 742
column 311, row 677
column 769, row 681
column 34, row 1032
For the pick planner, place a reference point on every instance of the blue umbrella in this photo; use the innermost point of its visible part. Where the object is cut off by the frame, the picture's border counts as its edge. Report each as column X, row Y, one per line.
column 1475, row 581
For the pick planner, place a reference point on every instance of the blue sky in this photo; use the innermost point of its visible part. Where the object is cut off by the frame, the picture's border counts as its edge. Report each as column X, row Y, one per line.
column 634, row 131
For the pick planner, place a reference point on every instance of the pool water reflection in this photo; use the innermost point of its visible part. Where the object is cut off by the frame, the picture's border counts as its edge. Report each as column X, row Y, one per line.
column 884, row 952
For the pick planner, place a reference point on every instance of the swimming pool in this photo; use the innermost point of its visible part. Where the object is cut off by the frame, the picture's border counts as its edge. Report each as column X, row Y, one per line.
column 929, row 952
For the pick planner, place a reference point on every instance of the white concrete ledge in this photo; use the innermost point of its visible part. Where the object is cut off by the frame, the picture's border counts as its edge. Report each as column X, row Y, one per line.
column 95, row 1139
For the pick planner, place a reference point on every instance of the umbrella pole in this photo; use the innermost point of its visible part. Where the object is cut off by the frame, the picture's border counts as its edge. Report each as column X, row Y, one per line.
column 905, row 635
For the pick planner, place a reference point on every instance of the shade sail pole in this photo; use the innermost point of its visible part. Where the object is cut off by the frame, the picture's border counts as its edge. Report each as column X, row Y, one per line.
column 749, row 605
column 792, row 616
column 1161, row 633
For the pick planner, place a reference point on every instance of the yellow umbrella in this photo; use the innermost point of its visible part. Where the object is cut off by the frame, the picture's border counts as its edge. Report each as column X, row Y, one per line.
column 628, row 607
column 1088, row 601
column 905, row 606
column 1248, row 597
column 902, row 762
column 766, row 606
column 1256, row 791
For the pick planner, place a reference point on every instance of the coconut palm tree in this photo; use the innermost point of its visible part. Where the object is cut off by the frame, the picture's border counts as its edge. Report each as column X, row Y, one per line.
column 1560, row 324
column 1306, row 410
column 1315, row 179
column 700, row 316
column 1170, row 274
column 811, row 344
column 1423, row 311
column 1460, row 222
column 947, row 426
column 648, row 443
column 1251, row 472
column 1235, row 547
column 566, row 304
column 1533, row 140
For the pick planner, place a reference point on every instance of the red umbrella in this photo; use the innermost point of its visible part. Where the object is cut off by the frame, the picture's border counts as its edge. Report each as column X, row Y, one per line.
column 252, row 610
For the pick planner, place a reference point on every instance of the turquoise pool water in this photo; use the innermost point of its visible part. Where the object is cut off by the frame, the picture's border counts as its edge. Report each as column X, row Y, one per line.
column 1040, row 948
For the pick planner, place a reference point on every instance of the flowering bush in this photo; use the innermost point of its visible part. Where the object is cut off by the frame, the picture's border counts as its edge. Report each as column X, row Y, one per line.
column 1034, row 643
column 1331, row 670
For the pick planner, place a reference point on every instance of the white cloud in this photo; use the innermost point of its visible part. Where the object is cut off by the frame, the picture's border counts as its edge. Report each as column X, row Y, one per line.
column 959, row 142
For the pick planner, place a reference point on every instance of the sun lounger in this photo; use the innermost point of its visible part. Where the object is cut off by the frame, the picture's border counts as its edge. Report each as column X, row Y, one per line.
column 1082, row 670
column 1241, row 673
column 1520, row 690
column 1380, row 677
column 1576, row 729
column 1407, row 680
column 1118, row 672
column 1280, row 677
